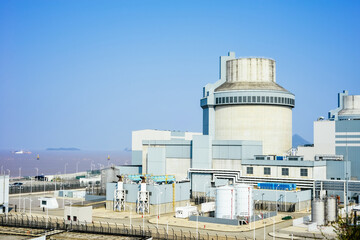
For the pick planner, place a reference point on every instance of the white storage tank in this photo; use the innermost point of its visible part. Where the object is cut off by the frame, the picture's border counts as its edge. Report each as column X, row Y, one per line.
column 331, row 209
column 244, row 200
column 225, row 202
column 318, row 211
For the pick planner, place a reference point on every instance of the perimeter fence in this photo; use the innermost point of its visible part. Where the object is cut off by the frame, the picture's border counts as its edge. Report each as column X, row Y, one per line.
column 105, row 228
column 47, row 186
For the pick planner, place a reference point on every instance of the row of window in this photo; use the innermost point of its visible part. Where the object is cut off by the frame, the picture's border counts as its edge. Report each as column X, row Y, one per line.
column 255, row 99
column 284, row 171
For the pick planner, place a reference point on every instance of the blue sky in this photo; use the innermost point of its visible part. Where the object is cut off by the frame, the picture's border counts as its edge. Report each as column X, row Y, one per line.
column 86, row 73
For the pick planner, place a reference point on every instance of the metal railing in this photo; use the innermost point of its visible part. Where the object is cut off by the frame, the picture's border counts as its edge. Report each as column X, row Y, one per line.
column 163, row 233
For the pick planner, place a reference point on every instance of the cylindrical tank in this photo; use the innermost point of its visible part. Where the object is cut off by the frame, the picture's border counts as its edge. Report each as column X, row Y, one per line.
column 318, row 211
column 351, row 106
column 225, row 202
column 244, row 201
column 109, row 175
column 252, row 106
column 331, row 209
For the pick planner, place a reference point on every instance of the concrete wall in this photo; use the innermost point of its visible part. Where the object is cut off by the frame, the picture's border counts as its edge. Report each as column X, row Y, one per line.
column 335, row 170
column 270, row 124
column 201, row 152
column 324, row 137
column 177, row 167
column 156, row 161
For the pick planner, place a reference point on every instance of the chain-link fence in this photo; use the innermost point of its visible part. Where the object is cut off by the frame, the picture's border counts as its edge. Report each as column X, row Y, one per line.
column 138, row 232
column 43, row 187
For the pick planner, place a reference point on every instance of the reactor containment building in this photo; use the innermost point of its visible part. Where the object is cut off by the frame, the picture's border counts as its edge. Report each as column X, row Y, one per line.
column 246, row 103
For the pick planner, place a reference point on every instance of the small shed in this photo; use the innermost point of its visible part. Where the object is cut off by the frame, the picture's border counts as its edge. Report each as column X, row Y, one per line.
column 48, row 202
column 78, row 213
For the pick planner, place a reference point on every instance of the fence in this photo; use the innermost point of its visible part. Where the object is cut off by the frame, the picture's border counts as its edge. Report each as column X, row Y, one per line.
column 56, row 224
column 137, row 232
column 47, row 186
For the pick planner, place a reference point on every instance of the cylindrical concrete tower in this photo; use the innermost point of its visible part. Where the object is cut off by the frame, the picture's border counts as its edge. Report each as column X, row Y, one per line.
column 249, row 105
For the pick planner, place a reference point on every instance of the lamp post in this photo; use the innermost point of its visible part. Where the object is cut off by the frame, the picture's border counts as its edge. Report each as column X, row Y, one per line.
column 158, row 202
column 273, row 227
column 197, row 225
column 44, row 183
column 37, row 172
column 65, row 169
column 130, row 208
column 30, row 200
column 19, row 188
column 264, row 227
column 254, row 217
column 276, row 200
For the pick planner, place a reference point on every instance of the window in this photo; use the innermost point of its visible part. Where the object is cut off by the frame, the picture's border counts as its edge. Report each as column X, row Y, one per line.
column 227, row 99
column 258, row 99
column 249, row 99
column 254, row 99
column 271, row 99
column 260, row 158
column 240, row 99
column 275, row 99
column 223, row 100
column 267, row 171
column 43, row 202
column 250, row 170
column 235, row 99
column 231, row 99
column 285, row 171
column 217, row 100
column 303, row 172
column 338, row 178
column 244, row 99
column 75, row 218
column 68, row 217
column 267, row 99
column 262, row 99
column 332, row 178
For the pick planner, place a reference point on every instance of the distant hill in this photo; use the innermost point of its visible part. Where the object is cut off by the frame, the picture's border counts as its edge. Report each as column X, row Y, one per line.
column 298, row 140
column 63, row 149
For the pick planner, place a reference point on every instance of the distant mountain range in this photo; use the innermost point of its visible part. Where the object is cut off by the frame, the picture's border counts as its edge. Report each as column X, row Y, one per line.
column 297, row 140
column 63, row 149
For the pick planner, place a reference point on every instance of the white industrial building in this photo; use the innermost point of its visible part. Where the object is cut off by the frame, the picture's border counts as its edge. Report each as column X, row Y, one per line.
column 4, row 194
column 78, row 214
column 339, row 134
column 48, row 202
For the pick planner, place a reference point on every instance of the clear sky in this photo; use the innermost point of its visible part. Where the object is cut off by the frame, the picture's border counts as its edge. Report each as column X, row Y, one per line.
column 86, row 73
